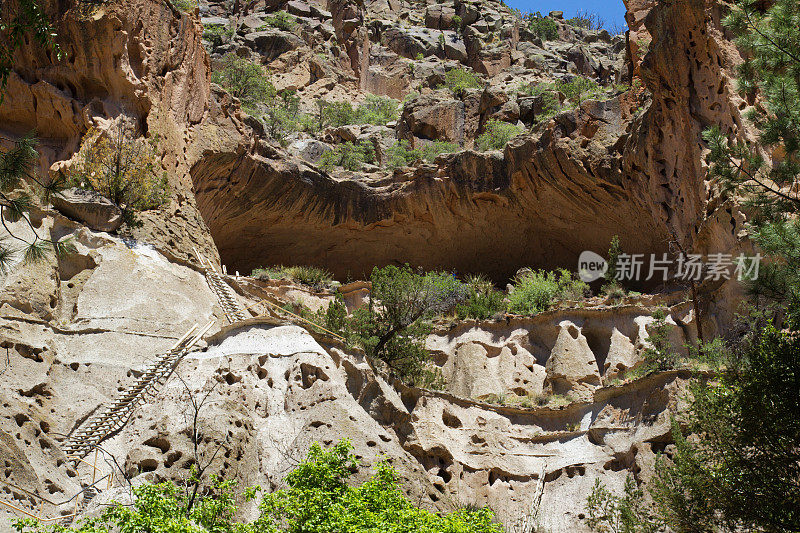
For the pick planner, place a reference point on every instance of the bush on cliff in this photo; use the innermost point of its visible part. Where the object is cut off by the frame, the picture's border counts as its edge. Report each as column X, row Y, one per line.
column 496, row 135
column 543, row 27
column 281, row 20
column 394, row 326
column 123, row 167
column 459, row 79
column 401, row 155
column 245, row 80
column 483, row 299
column 536, row 291
column 348, row 155
column 378, row 110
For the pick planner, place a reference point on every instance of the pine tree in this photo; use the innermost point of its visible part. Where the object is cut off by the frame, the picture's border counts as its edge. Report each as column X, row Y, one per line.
column 766, row 173
column 16, row 167
column 740, row 470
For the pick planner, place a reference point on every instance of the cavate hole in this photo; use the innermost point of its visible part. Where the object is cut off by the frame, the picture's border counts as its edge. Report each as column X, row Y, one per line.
column 148, row 465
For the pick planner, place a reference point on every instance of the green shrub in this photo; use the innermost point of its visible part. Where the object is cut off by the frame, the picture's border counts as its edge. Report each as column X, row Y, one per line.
column 579, row 89
column 659, row 355
column 538, row 290
column 457, row 22
column 483, row 300
column 321, row 498
column 394, row 326
column 217, row 34
column 348, row 155
column 613, row 290
column 245, row 80
column 378, row 110
column 624, row 514
column 614, row 251
column 282, row 116
column 460, row 79
column 281, row 20
column 543, row 27
column 496, row 135
column 309, row 275
column 400, row 155
column 122, row 166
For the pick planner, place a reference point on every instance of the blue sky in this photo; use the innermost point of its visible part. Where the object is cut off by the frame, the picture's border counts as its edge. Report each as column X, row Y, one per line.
column 613, row 11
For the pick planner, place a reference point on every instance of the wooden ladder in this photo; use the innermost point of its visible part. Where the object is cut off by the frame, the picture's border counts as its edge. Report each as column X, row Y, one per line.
column 114, row 417
column 233, row 309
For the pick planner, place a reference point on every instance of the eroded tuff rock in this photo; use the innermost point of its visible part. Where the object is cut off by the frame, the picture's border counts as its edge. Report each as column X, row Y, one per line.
column 629, row 164
column 80, row 328
column 138, row 59
column 108, row 308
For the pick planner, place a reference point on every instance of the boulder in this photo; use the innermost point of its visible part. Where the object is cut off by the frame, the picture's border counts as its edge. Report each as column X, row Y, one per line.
column 298, row 8
column 433, row 117
column 309, row 150
column 440, row 17
column 272, row 42
column 94, row 210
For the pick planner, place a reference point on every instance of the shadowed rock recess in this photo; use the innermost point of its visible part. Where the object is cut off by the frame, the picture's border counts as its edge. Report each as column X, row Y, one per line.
column 627, row 164
column 624, row 158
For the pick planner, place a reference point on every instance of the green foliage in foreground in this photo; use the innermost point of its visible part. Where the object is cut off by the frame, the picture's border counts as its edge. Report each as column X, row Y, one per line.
column 609, row 513
column 496, row 135
column 159, row 508
column 317, row 499
column 400, row 155
column 16, row 166
column 770, row 36
column 740, row 470
column 743, row 473
column 536, row 291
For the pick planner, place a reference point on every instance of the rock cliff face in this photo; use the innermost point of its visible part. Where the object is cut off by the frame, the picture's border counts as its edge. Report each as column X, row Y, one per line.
column 627, row 164
column 78, row 329
column 137, row 59
column 273, row 389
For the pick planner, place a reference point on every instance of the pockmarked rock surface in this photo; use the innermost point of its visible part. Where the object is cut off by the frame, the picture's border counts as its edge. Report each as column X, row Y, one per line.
column 531, row 410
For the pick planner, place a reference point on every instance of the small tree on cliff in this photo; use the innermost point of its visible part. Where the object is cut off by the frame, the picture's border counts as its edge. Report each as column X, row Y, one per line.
column 394, row 326
column 123, row 167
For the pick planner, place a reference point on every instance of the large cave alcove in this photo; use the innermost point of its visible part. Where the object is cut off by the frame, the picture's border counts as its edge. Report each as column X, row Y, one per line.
column 476, row 212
